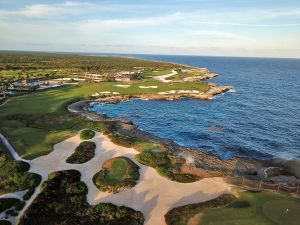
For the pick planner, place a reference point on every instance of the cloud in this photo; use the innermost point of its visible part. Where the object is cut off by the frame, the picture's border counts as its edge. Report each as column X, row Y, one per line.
column 47, row 10
column 111, row 24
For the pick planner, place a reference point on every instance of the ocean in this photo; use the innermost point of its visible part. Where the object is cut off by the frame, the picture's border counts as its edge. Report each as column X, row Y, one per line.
column 260, row 119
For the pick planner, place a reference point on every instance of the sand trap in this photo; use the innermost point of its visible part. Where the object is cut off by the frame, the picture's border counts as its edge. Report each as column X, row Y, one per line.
column 122, row 85
column 153, row 195
column 147, row 87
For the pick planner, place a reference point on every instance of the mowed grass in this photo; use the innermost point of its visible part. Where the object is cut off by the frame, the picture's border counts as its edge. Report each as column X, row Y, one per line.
column 117, row 173
column 261, row 208
column 119, row 170
column 160, row 72
column 33, row 123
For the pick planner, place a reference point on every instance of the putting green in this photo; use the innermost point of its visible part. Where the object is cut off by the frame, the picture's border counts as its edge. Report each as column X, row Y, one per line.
column 118, row 170
column 281, row 211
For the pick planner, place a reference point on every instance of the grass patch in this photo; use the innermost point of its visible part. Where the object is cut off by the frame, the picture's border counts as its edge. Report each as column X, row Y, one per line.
column 63, row 201
column 87, row 134
column 259, row 208
column 83, row 153
column 117, row 173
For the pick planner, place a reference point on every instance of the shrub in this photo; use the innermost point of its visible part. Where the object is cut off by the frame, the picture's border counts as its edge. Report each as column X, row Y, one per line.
column 14, row 177
column 153, row 159
column 182, row 214
column 87, row 134
column 5, row 222
column 63, row 201
column 6, row 203
column 83, row 153
column 19, row 205
column 28, row 194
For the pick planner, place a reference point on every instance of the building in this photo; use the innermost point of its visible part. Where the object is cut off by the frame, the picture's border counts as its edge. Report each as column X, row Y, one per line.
column 24, row 84
column 122, row 78
column 93, row 76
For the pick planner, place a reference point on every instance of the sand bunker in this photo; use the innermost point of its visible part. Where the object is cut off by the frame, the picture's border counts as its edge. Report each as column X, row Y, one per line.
column 122, row 85
column 154, row 195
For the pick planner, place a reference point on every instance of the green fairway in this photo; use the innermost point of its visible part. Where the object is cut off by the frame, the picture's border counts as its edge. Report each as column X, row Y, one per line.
column 160, row 72
column 263, row 208
column 33, row 123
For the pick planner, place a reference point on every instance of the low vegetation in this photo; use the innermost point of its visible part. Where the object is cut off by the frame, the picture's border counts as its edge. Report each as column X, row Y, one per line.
column 166, row 165
column 63, row 201
column 83, row 153
column 181, row 215
column 116, row 174
column 87, row 134
column 261, row 208
column 5, row 222
column 15, row 177
column 7, row 203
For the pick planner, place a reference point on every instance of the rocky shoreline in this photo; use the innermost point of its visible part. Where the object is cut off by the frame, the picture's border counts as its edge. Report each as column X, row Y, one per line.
column 201, row 162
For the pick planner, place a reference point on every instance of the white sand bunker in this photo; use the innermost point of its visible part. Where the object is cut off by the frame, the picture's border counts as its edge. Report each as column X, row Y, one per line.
column 122, row 85
column 154, row 195
column 147, row 86
column 104, row 93
column 179, row 92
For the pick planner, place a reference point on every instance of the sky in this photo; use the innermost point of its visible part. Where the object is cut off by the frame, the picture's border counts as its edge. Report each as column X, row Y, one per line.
column 255, row 28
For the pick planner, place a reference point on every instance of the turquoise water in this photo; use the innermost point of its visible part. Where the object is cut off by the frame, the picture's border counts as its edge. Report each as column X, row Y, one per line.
column 260, row 119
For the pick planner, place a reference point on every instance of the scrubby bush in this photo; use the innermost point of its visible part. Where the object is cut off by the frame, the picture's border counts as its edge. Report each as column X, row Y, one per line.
column 83, row 153
column 153, row 159
column 6, row 203
column 14, row 177
column 5, row 222
column 181, row 215
column 179, row 177
column 87, row 134
column 28, row 194
column 19, row 205
column 63, row 201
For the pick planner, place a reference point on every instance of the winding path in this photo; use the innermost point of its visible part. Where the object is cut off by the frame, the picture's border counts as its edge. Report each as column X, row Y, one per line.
column 163, row 78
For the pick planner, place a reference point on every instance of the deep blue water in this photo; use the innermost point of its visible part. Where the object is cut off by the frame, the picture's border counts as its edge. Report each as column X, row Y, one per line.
column 261, row 119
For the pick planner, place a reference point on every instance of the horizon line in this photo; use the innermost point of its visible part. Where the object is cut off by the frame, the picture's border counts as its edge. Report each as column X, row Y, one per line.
column 159, row 54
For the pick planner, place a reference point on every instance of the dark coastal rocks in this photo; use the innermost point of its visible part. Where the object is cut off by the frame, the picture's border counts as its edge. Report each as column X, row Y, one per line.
column 204, row 163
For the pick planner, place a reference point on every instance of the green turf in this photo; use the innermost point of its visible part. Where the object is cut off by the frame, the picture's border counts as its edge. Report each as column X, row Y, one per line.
column 117, row 173
column 159, row 72
column 118, row 170
column 33, row 123
column 263, row 208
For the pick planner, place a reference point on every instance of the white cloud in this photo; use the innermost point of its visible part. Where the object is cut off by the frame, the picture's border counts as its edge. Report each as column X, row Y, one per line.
column 111, row 24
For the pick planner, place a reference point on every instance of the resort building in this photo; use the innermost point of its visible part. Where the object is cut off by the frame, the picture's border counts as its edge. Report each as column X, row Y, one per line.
column 122, row 78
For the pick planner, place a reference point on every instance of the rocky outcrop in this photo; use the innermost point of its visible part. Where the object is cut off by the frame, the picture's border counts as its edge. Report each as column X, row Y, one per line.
column 201, row 77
